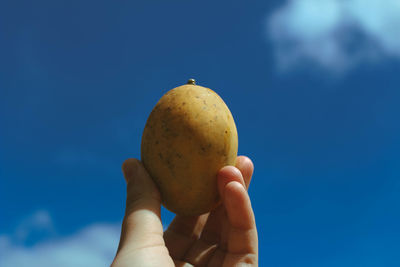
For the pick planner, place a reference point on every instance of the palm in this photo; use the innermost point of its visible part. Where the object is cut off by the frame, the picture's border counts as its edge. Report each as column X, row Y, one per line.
column 187, row 245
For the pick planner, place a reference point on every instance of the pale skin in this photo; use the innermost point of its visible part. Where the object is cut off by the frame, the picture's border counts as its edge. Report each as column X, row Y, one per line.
column 227, row 236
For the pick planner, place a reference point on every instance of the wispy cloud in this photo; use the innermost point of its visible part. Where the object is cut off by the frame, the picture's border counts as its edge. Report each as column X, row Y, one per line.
column 336, row 35
column 39, row 222
column 94, row 245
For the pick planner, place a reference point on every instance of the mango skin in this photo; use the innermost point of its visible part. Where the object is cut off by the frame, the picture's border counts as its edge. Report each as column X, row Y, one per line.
column 189, row 136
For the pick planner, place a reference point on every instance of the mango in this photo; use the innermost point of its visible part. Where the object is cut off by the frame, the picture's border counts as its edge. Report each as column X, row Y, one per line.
column 189, row 136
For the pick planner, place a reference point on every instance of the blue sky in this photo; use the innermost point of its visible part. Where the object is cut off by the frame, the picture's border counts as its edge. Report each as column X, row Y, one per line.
column 313, row 85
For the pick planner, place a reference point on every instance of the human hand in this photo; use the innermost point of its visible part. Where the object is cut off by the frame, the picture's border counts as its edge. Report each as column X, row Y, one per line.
column 227, row 236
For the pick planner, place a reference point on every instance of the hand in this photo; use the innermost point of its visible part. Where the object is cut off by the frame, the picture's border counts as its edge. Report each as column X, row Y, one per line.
column 227, row 236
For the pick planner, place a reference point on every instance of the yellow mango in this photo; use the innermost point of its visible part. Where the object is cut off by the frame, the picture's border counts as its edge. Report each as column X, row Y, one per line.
column 189, row 136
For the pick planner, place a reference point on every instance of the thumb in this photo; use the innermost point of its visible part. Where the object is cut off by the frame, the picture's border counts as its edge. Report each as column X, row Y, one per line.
column 142, row 225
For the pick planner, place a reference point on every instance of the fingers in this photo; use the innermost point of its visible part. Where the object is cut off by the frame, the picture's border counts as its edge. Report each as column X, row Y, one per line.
column 228, row 174
column 246, row 167
column 242, row 237
column 238, row 206
column 216, row 229
column 213, row 228
column 142, row 224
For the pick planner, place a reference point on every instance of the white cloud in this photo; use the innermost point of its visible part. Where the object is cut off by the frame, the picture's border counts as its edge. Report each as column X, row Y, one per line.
column 335, row 34
column 39, row 221
column 95, row 245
